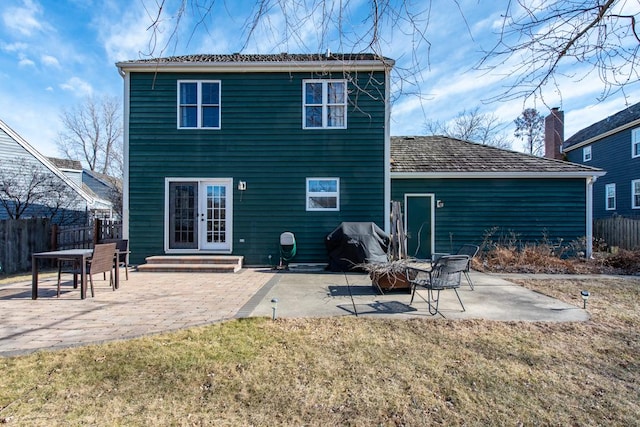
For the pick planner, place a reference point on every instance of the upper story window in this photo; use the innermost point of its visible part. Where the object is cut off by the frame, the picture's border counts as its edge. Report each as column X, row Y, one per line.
column 586, row 153
column 198, row 104
column 635, row 143
column 324, row 104
column 323, row 194
column 635, row 194
column 610, row 194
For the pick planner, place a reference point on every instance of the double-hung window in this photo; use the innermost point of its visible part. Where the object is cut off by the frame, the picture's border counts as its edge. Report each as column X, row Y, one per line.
column 635, row 194
column 198, row 104
column 610, row 194
column 323, row 194
column 635, row 143
column 586, row 153
column 324, row 104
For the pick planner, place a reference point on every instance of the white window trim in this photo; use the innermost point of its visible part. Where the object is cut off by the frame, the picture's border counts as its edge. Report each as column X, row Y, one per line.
column 635, row 141
column 586, row 153
column 310, row 194
column 199, row 104
column 325, row 103
column 633, row 198
column 606, row 197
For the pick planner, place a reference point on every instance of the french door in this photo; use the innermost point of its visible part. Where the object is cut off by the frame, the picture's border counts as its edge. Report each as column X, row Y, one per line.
column 200, row 214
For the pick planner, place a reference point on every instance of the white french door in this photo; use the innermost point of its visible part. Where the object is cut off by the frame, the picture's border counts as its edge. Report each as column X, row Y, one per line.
column 215, row 215
column 199, row 215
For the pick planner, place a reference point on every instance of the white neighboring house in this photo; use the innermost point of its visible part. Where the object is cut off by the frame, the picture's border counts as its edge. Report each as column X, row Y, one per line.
column 19, row 159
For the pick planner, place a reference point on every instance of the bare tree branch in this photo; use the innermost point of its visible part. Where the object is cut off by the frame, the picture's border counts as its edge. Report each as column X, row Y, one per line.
column 472, row 126
column 539, row 42
column 93, row 134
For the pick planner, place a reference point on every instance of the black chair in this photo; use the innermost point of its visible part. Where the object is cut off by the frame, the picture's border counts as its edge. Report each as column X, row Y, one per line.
column 444, row 274
column 122, row 245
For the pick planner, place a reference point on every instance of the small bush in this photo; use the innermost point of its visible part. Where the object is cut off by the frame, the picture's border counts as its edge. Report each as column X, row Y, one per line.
column 625, row 261
column 505, row 253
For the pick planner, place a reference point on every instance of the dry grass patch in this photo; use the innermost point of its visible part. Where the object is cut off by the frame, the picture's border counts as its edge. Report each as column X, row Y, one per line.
column 349, row 371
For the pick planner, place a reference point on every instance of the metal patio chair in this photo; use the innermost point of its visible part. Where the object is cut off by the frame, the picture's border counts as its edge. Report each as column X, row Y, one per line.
column 444, row 274
column 470, row 251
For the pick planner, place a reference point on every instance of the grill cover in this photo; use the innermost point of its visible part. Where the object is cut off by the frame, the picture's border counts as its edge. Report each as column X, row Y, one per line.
column 353, row 243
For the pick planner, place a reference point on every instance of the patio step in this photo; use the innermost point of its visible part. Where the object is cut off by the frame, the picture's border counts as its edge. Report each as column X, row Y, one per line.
column 193, row 263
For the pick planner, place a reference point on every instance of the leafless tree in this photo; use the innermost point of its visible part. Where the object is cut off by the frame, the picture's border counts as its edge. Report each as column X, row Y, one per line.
column 28, row 190
column 530, row 128
column 472, row 126
column 540, row 42
column 93, row 134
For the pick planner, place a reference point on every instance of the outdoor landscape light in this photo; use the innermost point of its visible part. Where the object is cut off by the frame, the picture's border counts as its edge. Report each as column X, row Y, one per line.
column 274, row 307
column 585, row 297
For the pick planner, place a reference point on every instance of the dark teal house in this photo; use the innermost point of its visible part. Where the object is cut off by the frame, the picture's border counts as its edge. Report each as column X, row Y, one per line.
column 455, row 192
column 612, row 144
column 223, row 153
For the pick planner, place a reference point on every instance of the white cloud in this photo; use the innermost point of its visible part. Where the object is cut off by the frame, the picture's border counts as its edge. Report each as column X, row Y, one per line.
column 14, row 47
column 24, row 20
column 126, row 35
column 50, row 61
column 77, row 86
column 25, row 61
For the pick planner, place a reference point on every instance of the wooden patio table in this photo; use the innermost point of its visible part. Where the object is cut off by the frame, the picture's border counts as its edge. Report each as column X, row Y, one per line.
column 79, row 256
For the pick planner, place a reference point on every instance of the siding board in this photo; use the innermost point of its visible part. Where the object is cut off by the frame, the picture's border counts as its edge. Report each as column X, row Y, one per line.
column 529, row 208
column 261, row 142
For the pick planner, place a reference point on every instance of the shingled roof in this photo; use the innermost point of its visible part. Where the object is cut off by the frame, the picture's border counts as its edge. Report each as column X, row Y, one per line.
column 251, row 58
column 615, row 121
column 444, row 155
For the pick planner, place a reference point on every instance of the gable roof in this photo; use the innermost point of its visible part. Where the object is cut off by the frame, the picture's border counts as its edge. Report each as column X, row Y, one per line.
column 612, row 124
column 441, row 156
column 68, row 164
column 46, row 163
column 261, row 62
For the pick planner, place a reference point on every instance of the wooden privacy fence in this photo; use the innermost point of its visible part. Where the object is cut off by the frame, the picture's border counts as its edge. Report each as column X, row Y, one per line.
column 19, row 238
column 618, row 231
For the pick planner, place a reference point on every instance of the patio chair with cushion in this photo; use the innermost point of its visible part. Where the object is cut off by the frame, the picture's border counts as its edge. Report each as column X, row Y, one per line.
column 444, row 274
column 101, row 261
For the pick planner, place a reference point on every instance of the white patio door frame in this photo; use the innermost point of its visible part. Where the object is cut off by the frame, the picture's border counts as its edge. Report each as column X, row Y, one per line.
column 214, row 215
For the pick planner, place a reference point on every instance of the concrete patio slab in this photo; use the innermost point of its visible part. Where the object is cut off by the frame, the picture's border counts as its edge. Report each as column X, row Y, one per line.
column 322, row 294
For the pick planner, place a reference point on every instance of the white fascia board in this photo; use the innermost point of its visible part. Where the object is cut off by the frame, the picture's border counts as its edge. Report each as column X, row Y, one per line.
column 488, row 175
column 257, row 66
column 602, row 135
column 46, row 163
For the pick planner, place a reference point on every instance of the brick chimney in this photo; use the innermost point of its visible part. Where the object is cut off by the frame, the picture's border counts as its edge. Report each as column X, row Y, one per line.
column 554, row 134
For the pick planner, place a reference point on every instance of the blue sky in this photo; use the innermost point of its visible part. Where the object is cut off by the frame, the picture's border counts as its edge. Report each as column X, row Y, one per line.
column 54, row 53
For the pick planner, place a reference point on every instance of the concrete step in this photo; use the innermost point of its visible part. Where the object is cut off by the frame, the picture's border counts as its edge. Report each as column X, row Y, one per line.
column 193, row 263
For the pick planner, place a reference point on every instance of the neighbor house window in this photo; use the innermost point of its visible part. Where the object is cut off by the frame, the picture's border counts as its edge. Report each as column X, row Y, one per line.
column 635, row 143
column 586, row 153
column 635, row 194
column 610, row 191
column 323, row 194
column 324, row 104
column 199, row 104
